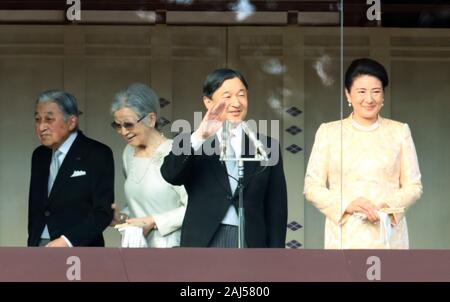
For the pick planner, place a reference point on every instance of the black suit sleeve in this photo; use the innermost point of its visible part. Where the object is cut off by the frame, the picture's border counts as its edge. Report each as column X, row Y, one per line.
column 276, row 206
column 30, row 198
column 177, row 164
column 102, row 196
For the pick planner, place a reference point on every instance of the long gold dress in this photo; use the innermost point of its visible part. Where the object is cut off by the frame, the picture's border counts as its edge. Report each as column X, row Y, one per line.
column 377, row 163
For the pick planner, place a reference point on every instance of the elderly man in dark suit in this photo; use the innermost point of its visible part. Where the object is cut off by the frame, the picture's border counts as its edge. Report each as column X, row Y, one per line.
column 211, row 218
column 72, row 178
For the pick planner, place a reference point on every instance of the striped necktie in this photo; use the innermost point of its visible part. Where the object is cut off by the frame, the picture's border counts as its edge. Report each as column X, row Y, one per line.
column 54, row 167
column 232, row 168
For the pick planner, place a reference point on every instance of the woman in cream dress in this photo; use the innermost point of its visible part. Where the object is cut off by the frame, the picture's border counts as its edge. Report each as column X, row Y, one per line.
column 151, row 200
column 362, row 164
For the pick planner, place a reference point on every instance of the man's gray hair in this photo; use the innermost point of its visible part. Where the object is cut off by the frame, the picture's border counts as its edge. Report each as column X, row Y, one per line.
column 66, row 102
column 140, row 98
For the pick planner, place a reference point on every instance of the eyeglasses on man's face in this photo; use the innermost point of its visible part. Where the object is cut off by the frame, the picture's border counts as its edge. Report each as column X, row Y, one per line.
column 127, row 125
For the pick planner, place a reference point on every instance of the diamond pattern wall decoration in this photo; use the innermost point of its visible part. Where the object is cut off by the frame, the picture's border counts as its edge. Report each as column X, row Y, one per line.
column 164, row 121
column 294, row 225
column 294, row 148
column 293, row 244
column 163, row 102
column 294, row 111
column 294, row 130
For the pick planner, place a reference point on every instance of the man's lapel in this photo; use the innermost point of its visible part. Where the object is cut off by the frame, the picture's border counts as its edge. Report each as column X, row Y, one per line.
column 69, row 165
column 44, row 170
column 218, row 166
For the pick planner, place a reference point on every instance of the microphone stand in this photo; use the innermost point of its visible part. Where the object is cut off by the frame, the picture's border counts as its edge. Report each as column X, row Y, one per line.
column 241, row 226
column 240, row 161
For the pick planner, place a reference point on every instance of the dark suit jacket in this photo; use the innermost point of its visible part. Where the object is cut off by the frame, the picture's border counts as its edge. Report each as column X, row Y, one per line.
column 209, row 197
column 78, row 207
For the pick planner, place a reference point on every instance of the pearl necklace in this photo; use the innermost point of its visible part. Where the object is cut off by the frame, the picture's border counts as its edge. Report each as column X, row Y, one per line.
column 372, row 127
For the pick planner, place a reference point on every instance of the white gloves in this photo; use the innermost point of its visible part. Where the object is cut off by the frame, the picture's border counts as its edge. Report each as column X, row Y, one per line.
column 132, row 236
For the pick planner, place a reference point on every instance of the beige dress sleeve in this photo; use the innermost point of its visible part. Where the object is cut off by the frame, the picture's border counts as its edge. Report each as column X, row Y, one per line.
column 410, row 178
column 316, row 188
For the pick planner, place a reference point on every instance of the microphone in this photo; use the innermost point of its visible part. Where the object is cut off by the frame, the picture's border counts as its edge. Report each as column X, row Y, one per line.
column 225, row 137
column 256, row 143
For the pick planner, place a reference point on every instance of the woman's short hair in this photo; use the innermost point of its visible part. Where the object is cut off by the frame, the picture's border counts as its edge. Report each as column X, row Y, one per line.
column 365, row 66
column 216, row 78
column 140, row 98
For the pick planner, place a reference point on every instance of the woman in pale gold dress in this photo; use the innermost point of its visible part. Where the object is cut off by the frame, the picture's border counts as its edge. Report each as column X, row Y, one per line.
column 363, row 166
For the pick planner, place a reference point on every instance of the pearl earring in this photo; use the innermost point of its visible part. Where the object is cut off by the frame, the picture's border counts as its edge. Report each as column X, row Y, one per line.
column 349, row 104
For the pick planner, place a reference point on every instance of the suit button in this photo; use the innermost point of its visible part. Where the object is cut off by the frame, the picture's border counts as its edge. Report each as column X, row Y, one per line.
column 47, row 213
column 229, row 197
